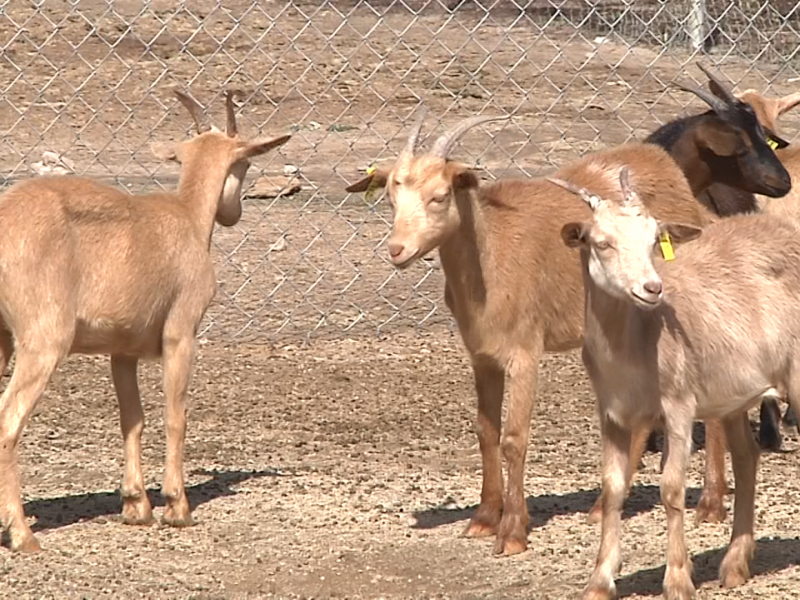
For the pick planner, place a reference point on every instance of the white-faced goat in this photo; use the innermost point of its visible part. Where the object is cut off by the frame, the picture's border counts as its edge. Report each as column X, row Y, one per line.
column 128, row 276
column 706, row 336
column 728, row 148
column 513, row 287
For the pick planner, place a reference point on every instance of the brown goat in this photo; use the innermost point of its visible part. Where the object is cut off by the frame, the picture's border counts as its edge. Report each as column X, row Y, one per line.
column 128, row 276
column 512, row 286
column 708, row 335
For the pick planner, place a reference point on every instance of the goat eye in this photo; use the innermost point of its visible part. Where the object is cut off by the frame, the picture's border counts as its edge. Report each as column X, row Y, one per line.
column 603, row 245
column 439, row 199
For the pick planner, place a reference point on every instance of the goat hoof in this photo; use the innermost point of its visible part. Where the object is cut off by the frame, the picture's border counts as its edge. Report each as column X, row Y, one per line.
column 484, row 523
column 732, row 577
column 710, row 510
column 512, row 537
column 177, row 515
column 137, row 512
column 598, row 593
column 769, row 438
column 595, row 514
column 29, row 545
column 678, row 584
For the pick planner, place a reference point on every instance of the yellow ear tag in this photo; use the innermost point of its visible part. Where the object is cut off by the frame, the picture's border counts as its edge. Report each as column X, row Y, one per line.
column 772, row 143
column 373, row 186
column 666, row 246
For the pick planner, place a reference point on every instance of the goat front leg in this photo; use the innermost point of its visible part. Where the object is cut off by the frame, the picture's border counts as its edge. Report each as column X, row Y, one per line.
column 178, row 358
column 735, row 567
column 711, row 508
column 34, row 367
column 638, row 443
column 512, row 535
column 616, row 448
column 489, row 383
column 678, row 430
column 136, row 509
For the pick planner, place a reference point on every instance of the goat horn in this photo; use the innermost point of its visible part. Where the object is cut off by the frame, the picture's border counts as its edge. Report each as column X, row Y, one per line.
column 719, row 89
column 715, row 103
column 413, row 138
column 443, row 145
column 629, row 194
column 230, row 109
column 591, row 199
column 195, row 109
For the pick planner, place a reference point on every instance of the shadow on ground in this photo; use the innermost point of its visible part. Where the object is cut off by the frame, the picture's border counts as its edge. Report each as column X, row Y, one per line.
column 772, row 554
column 52, row 513
column 542, row 508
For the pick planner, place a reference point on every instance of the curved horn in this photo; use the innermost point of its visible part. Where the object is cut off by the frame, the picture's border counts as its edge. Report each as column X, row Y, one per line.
column 195, row 109
column 230, row 110
column 629, row 194
column 591, row 199
column 715, row 103
column 443, row 145
column 413, row 138
column 719, row 89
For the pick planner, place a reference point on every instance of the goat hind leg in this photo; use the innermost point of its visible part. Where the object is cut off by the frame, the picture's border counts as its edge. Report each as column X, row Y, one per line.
column 735, row 567
column 489, row 383
column 512, row 535
column 711, row 508
column 136, row 508
column 31, row 374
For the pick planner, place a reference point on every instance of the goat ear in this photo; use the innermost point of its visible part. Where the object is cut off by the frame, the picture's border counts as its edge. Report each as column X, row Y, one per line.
column 461, row 175
column 261, row 146
column 164, row 150
column 681, row 233
column 718, row 137
column 574, row 234
column 376, row 179
column 787, row 103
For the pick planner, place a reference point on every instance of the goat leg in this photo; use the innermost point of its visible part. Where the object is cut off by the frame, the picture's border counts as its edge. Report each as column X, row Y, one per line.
column 178, row 357
column 678, row 432
column 31, row 374
column 711, row 508
column 769, row 433
column 616, row 447
column 512, row 534
column 489, row 383
column 136, row 508
column 735, row 567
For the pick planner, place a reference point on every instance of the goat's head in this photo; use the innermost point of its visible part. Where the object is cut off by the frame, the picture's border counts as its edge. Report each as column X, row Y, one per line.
column 735, row 145
column 621, row 241
column 224, row 149
column 769, row 110
column 422, row 191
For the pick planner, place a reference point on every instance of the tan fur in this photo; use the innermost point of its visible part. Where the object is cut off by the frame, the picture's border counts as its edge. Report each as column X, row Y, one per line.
column 86, row 268
column 706, row 351
column 513, row 288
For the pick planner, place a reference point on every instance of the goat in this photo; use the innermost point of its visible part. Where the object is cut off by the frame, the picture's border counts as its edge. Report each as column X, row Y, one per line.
column 128, row 276
column 725, row 146
column 511, row 285
column 677, row 341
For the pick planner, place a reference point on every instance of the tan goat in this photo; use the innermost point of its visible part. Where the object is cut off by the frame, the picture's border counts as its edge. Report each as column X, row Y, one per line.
column 93, row 270
column 679, row 341
column 513, row 287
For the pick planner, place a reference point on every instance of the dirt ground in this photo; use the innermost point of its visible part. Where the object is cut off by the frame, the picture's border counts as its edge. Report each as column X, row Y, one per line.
column 349, row 470
column 346, row 467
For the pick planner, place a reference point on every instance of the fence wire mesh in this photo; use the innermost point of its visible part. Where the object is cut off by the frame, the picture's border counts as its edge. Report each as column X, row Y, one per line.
column 85, row 87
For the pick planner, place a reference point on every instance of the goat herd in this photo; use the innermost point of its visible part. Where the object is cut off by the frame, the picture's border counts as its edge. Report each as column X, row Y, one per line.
column 684, row 294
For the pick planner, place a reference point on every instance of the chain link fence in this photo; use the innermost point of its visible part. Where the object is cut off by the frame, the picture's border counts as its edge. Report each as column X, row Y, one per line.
column 85, row 87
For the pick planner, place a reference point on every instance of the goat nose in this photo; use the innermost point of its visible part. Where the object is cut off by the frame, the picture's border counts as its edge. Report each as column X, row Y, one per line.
column 396, row 249
column 654, row 287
